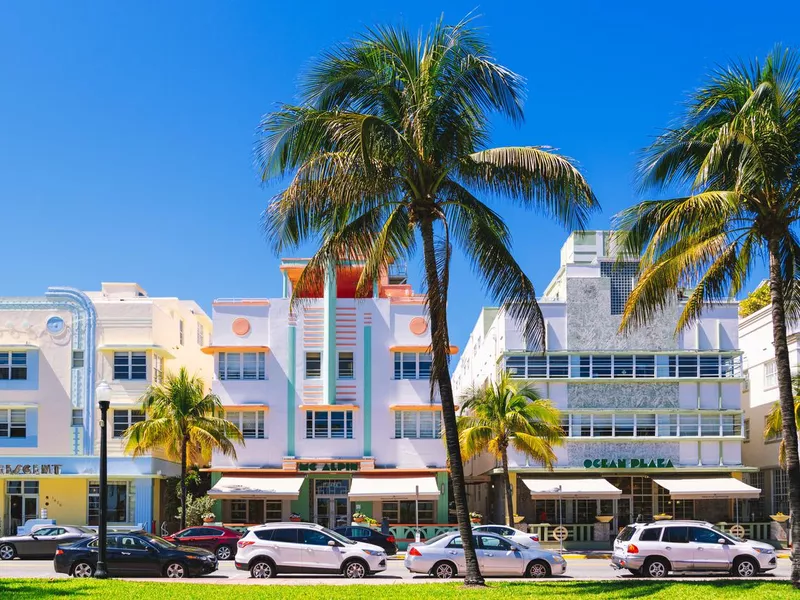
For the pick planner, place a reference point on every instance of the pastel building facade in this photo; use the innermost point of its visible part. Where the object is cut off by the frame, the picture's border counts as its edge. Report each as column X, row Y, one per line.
column 760, row 394
column 653, row 420
column 333, row 397
column 54, row 350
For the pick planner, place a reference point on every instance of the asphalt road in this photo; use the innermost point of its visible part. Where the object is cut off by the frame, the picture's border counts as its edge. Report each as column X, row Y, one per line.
column 592, row 569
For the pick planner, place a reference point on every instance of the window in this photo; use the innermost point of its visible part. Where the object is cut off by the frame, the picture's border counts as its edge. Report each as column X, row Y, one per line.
column 13, row 365
column 77, row 359
column 688, row 426
column 417, row 365
column 158, row 368
column 709, row 366
column 77, row 417
column 623, row 277
column 402, row 511
column 650, row 535
column 515, row 365
column 667, row 425
column 248, row 366
column 601, row 366
column 423, row 424
column 117, row 501
column 623, row 366
column 770, row 374
column 676, row 535
column 312, row 537
column 780, row 491
column 709, row 425
column 249, row 422
column 13, row 423
column 201, row 335
column 537, row 367
column 731, row 425
column 559, row 367
column 286, row 536
column 334, row 424
column 665, row 366
column 645, row 425
column 602, row 425
column 623, row 425
column 645, row 366
column 746, row 431
column 125, row 418
column 246, row 512
column 687, row 366
column 180, row 332
column 565, row 419
column 346, row 367
column 130, row 365
column 487, row 542
column 581, row 425
column 701, row 535
column 313, row 365
column 771, row 439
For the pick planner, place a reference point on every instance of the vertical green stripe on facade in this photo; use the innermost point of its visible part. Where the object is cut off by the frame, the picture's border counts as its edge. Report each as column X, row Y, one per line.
column 443, row 506
column 329, row 337
column 367, row 390
column 291, row 409
column 217, row 508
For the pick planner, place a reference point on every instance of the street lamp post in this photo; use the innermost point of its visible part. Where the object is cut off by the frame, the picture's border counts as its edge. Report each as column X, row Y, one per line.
column 103, row 398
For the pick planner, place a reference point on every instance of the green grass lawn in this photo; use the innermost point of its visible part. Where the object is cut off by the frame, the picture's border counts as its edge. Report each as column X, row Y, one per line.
column 24, row 589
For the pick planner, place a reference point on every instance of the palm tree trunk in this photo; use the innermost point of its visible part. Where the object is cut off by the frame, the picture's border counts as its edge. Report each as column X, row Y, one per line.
column 184, row 443
column 440, row 351
column 507, row 488
column 786, row 399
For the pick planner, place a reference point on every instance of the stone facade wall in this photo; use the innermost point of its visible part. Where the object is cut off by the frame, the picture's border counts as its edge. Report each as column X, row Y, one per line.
column 591, row 326
column 610, row 396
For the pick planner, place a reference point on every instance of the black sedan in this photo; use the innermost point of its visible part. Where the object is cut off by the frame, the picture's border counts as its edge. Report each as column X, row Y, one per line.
column 370, row 536
column 134, row 554
column 42, row 541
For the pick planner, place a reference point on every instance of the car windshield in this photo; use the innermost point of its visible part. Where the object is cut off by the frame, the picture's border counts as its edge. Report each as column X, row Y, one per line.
column 337, row 536
column 160, row 542
column 726, row 534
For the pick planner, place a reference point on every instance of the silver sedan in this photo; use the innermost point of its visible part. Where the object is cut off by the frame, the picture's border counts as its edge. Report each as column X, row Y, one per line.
column 443, row 557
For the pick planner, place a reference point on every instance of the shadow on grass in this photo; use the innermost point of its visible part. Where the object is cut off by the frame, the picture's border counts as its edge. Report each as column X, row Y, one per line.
column 638, row 588
column 44, row 588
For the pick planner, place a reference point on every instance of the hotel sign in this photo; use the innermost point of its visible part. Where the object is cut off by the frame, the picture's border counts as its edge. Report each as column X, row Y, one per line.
column 30, row 469
column 628, row 463
column 327, row 467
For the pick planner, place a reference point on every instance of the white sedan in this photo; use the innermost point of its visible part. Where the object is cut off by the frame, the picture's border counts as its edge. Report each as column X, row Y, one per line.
column 443, row 557
column 531, row 540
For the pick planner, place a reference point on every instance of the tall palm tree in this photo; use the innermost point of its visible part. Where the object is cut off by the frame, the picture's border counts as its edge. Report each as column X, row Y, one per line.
column 509, row 414
column 184, row 422
column 736, row 153
column 773, row 427
column 387, row 143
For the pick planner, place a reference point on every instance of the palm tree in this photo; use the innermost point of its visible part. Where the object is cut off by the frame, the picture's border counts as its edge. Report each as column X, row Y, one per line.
column 185, row 423
column 736, row 152
column 509, row 414
column 773, row 427
column 388, row 141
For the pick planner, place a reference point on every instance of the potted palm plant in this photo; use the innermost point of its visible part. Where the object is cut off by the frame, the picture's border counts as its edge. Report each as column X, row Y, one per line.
column 475, row 517
column 359, row 517
column 209, row 517
column 294, row 517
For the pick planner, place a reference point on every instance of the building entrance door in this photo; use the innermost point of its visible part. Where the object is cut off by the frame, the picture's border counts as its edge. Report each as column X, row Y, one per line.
column 624, row 514
column 22, row 503
column 331, row 504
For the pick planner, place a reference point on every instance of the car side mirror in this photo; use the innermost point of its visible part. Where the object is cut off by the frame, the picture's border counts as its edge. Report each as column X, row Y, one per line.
column 332, row 543
column 514, row 549
column 722, row 541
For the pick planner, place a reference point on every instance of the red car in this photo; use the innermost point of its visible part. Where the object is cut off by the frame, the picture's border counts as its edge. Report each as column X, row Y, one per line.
column 219, row 540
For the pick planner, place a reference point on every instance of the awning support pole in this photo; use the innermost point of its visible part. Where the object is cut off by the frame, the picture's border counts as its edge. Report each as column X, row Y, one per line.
column 416, row 512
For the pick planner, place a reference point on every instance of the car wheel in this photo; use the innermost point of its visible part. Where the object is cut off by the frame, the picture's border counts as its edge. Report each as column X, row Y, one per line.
column 656, row 568
column 444, row 570
column 262, row 569
column 745, row 567
column 82, row 569
column 175, row 570
column 538, row 569
column 224, row 553
column 355, row 569
column 7, row 552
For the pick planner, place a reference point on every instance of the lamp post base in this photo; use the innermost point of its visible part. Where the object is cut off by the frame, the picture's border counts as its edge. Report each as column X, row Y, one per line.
column 100, row 572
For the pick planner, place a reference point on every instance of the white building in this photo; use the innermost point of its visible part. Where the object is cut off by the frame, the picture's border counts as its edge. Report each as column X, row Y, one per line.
column 760, row 394
column 653, row 420
column 334, row 402
column 54, row 350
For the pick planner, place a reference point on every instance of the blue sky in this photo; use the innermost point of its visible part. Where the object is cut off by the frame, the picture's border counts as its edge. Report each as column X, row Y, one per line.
column 126, row 128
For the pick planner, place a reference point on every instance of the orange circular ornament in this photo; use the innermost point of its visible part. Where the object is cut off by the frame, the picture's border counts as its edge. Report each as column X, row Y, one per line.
column 241, row 326
column 418, row 325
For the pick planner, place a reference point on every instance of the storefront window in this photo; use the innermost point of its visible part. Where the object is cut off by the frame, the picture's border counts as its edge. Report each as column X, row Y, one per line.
column 117, row 502
column 545, row 511
column 680, row 509
column 404, row 511
column 780, row 494
column 256, row 511
column 642, row 489
column 584, row 511
column 22, row 503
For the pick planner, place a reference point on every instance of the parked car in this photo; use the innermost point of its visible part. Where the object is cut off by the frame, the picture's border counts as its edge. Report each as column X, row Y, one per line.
column 277, row 548
column 369, row 536
column 655, row 549
column 42, row 541
column 219, row 540
column 135, row 554
column 443, row 557
column 515, row 535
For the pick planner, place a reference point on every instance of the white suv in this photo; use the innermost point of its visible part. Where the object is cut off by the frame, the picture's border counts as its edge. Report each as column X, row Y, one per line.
column 267, row 550
column 655, row 549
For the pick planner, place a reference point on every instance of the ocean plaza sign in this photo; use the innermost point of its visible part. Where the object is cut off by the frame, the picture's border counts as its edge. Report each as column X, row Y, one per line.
column 31, row 469
column 628, row 463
